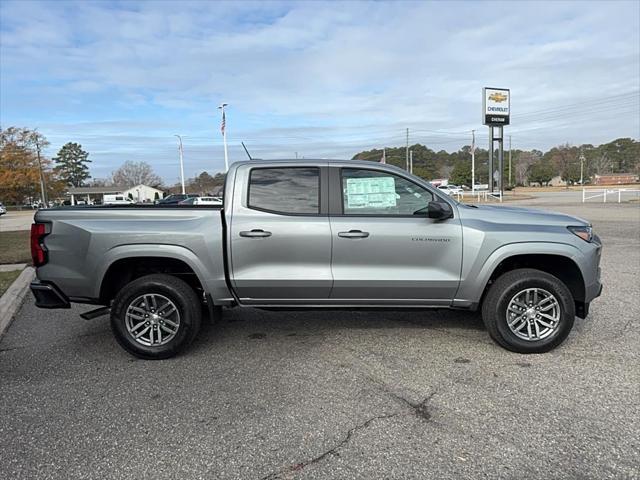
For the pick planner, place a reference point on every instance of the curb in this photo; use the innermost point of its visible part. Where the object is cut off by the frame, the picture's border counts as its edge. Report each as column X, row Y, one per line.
column 12, row 299
column 12, row 266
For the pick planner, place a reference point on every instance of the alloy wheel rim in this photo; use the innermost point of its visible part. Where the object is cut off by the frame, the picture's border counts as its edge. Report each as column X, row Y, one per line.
column 533, row 314
column 152, row 320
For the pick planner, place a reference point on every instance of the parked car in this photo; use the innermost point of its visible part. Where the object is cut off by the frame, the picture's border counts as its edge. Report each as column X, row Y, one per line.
column 318, row 234
column 3, row 209
column 117, row 200
column 202, row 201
column 451, row 189
column 175, row 198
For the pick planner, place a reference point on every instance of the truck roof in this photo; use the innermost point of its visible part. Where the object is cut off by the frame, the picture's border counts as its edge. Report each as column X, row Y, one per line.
column 316, row 161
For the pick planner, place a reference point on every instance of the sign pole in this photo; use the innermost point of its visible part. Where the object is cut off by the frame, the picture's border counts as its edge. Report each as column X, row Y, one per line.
column 501, row 160
column 491, row 183
column 496, row 110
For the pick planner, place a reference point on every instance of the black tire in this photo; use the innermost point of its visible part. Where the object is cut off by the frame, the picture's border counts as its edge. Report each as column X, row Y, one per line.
column 184, row 299
column 496, row 302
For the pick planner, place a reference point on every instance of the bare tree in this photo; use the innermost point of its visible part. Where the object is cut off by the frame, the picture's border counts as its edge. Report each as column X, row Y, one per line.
column 135, row 173
column 601, row 164
column 523, row 165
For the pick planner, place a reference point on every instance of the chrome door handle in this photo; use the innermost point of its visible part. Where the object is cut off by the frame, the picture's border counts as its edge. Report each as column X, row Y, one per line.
column 255, row 233
column 353, row 234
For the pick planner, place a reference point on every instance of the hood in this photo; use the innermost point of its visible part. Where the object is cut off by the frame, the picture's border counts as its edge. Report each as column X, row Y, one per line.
column 503, row 214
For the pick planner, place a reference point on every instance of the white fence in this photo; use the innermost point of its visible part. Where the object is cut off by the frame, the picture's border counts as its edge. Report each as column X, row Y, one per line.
column 591, row 193
column 480, row 196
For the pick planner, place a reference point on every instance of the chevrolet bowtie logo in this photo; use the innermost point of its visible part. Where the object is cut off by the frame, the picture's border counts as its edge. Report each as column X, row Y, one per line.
column 498, row 97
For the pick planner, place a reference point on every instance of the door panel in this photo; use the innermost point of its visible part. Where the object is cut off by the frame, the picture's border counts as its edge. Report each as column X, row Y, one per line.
column 384, row 246
column 280, row 256
column 401, row 258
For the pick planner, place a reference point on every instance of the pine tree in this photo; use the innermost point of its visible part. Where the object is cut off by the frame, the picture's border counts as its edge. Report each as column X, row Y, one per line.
column 71, row 164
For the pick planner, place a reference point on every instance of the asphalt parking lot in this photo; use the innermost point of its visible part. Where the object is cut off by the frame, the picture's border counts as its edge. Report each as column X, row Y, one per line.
column 334, row 395
column 12, row 221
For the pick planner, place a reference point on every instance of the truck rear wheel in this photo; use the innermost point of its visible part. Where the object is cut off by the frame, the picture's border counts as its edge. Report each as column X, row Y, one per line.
column 528, row 311
column 155, row 316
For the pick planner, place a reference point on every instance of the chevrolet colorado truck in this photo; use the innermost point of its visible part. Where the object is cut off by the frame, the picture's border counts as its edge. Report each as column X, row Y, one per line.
column 317, row 234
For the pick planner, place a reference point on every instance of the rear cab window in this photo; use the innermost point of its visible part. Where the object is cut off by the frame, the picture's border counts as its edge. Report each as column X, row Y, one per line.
column 285, row 190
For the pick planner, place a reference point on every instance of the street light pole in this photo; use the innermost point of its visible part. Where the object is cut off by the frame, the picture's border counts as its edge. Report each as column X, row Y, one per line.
column 223, row 128
column 509, row 160
column 473, row 161
column 43, row 188
column 407, row 152
column 181, row 162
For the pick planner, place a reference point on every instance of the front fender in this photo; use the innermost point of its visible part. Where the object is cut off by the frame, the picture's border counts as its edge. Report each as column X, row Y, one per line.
column 473, row 284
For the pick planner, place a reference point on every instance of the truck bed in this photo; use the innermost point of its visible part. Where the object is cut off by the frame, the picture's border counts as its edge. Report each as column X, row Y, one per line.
column 84, row 243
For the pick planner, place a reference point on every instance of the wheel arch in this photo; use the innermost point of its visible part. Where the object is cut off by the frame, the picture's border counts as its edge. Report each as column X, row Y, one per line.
column 557, row 259
column 126, row 264
column 562, row 267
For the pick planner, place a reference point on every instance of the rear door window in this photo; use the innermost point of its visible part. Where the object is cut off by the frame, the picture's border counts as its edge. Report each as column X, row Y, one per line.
column 285, row 190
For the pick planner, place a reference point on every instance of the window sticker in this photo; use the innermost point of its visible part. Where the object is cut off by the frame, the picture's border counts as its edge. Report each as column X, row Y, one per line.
column 374, row 192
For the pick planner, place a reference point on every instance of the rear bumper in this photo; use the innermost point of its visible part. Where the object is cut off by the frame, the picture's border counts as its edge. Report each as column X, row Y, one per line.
column 48, row 295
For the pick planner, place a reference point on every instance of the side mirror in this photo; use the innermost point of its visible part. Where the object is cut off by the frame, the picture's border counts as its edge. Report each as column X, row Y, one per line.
column 439, row 210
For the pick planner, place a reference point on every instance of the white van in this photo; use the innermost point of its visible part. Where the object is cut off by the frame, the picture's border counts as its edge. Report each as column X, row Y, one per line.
column 117, row 200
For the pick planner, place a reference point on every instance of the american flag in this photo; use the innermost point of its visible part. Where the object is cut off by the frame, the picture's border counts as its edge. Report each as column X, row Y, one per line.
column 224, row 123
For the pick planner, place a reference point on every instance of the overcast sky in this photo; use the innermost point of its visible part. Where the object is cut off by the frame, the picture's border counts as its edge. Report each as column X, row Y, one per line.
column 320, row 79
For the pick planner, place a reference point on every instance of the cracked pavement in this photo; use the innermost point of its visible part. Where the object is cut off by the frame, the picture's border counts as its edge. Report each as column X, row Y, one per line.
column 333, row 395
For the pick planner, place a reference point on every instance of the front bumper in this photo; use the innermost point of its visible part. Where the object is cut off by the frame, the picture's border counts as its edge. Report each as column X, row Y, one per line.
column 48, row 295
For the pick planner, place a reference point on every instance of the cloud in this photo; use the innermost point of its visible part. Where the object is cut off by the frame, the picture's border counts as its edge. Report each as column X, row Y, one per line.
column 322, row 79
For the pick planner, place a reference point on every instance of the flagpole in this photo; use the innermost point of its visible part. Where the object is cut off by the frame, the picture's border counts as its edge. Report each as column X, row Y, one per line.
column 224, row 138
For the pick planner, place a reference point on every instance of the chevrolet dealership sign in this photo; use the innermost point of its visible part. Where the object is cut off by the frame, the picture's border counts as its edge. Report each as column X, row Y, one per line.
column 496, row 103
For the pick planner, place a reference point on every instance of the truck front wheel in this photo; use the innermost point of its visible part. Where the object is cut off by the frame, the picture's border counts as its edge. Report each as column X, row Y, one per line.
column 528, row 311
column 155, row 316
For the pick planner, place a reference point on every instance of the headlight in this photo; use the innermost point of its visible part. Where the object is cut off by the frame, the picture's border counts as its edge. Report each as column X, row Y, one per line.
column 585, row 233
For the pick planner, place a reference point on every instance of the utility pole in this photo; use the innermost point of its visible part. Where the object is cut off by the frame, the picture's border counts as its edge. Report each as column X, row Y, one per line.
column 582, row 159
column 407, row 150
column 223, row 128
column 43, row 189
column 473, row 160
column 509, row 160
column 411, row 161
column 181, row 162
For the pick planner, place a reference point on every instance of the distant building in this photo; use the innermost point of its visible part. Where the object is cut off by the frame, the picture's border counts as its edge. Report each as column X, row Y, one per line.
column 139, row 193
column 615, row 179
column 143, row 193
column 557, row 181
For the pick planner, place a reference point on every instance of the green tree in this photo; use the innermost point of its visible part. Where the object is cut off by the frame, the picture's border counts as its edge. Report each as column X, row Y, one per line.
column 565, row 159
column 542, row 172
column 461, row 173
column 71, row 164
column 624, row 154
column 205, row 183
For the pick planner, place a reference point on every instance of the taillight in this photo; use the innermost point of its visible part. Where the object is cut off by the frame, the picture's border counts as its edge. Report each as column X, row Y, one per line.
column 38, row 251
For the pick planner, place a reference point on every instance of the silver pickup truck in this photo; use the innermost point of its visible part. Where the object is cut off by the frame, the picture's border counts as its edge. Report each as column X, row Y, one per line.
column 317, row 234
